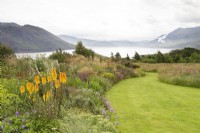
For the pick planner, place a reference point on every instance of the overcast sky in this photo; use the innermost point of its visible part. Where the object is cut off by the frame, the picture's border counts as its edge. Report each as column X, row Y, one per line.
column 104, row 19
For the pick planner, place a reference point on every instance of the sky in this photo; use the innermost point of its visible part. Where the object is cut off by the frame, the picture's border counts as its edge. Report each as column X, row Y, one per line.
column 132, row 20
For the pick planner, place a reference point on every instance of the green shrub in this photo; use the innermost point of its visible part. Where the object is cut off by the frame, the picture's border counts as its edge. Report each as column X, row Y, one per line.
column 5, row 52
column 23, row 123
column 85, row 99
column 58, row 56
column 108, row 75
column 10, row 103
column 80, row 122
column 85, row 72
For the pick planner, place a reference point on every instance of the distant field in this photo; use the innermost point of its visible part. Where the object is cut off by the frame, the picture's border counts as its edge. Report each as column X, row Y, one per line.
column 146, row 105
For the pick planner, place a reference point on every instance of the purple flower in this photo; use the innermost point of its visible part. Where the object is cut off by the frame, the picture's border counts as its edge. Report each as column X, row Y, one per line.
column 17, row 113
column 103, row 112
column 27, row 113
column 23, row 126
column 107, row 117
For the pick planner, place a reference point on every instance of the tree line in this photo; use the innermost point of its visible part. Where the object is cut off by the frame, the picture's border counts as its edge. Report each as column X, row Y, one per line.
column 186, row 55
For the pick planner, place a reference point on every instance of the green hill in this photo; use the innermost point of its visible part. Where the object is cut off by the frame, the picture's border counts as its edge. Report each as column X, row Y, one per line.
column 30, row 38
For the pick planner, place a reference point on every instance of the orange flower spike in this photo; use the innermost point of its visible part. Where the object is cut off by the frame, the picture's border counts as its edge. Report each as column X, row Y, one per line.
column 54, row 74
column 44, row 97
column 44, row 80
column 57, row 84
column 28, row 86
column 22, row 89
column 36, row 88
column 37, row 79
column 31, row 90
column 64, row 78
column 48, row 94
column 49, row 79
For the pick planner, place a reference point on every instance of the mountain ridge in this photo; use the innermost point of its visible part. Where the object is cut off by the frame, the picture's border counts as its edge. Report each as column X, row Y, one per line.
column 178, row 38
column 29, row 38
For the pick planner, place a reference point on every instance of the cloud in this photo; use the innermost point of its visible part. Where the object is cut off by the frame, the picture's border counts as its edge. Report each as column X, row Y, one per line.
column 192, row 3
column 104, row 19
column 189, row 12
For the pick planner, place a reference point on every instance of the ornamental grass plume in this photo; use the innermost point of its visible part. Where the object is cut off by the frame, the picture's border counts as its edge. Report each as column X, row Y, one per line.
column 57, row 84
column 37, row 79
column 54, row 74
column 44, row 80
column 22, row 89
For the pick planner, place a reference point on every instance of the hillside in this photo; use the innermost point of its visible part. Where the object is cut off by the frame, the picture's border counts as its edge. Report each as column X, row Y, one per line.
column 179, row 38
column 97, row 43
column 30, row 38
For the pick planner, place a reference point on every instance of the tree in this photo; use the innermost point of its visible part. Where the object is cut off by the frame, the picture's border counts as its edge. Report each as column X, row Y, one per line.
column 5, row 51
column 117, row 56
column 127, row 57
column 58, row 55
column 112, row 57
column 160, row 58
column 137, row 56
column 81, row 50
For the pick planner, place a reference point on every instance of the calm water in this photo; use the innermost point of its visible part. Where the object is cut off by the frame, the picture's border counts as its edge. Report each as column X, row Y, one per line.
column 106, row 51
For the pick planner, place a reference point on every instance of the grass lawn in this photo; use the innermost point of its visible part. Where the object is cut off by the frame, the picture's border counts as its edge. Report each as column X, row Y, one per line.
column 146, row 105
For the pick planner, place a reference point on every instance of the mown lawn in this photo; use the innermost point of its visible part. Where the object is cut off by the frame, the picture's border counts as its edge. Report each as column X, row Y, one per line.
column 146, row 105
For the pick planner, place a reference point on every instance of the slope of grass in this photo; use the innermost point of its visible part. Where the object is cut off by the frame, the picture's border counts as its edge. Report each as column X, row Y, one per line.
column 148, row 105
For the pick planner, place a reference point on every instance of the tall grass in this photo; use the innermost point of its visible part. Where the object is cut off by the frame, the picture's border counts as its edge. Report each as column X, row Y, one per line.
column 178, row 74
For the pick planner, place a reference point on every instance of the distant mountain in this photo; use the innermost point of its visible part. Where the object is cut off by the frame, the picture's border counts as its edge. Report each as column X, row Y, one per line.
column 95, row 43
column 179, row 38
column 30, row 38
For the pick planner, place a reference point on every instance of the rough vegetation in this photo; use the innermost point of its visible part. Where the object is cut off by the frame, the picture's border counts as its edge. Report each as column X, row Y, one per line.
column 39, row 94
column 178, row 74
column 66, row 93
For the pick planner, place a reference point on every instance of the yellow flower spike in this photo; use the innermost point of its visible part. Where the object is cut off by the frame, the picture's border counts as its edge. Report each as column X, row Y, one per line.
column 48, row 94
column 64, row 78
column 28, row 86
column 37, row 79
column 44, row 80
column 44, row 97
column 54, row 74
column 57, row 84
column 22, row 89
column 49, row 79
column 36, row 88
column 32, row 88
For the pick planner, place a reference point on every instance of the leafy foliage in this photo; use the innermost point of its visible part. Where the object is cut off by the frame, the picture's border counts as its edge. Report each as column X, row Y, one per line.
column 186, row 55
column 81, row 50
